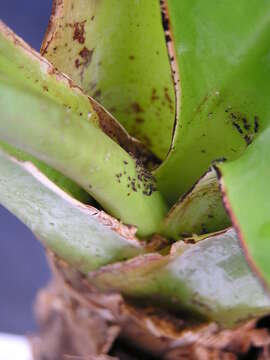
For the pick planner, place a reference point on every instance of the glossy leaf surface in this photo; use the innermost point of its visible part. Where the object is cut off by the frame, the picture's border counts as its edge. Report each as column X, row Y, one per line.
column 72, row 143
column 245, row 184
column 116, row 50
column 199, row 211
column 21, row 62
column 82, row 152
column 222, row 54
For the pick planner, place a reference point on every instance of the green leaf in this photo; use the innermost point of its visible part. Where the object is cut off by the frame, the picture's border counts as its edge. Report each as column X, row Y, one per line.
column 83, row 153
column 222, row 54
column 18, row 61
column 55, row 176
column 245, row 185
column 19, row 55
column 83, row 236
column 210, row 278
column 116, row 50
column 71, row 140
column 199, row 211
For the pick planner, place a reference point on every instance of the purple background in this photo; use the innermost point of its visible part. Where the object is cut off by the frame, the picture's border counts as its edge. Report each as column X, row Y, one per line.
column 23, row 267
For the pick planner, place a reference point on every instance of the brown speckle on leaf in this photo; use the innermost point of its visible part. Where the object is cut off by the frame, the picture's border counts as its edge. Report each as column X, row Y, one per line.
column 84, row 60
column 256, row 124
column 248, row 139
column 97, row 94
column 79, row 32
column 168, row 38
column 77, row 63
column 168, row 98
column 136, row 107
column 243, row 125
column 86, row 54
column 139, row 120
column 238, row 127
column 154, row 95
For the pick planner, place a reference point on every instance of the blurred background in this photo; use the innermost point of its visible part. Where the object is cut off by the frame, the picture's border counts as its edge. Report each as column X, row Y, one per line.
column 23, row 268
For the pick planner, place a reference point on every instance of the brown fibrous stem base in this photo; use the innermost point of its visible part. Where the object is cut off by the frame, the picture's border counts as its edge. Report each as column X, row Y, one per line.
column 79, row 322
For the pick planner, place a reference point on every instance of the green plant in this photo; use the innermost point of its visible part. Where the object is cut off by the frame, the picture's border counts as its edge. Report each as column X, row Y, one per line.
column 189, row 81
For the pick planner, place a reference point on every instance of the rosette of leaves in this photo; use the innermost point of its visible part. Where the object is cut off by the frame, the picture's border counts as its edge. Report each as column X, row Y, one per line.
column 136, row 148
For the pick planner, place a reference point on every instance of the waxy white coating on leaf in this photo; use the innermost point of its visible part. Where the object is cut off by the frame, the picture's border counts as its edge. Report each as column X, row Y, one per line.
column 210, row 278
column 80, row 234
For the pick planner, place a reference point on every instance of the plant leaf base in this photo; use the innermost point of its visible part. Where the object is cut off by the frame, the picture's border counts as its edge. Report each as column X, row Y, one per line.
column 79, row 322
